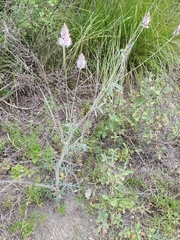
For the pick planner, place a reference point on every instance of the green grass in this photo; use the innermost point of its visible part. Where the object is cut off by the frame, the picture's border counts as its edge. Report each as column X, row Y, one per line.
column 24, row 227
column 61, row 209
column 98, row 27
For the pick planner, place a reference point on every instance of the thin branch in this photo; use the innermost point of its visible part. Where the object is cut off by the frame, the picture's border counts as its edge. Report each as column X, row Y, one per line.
column 14, row 106
column 6, row 187
column 59, row 163
column 27, row 183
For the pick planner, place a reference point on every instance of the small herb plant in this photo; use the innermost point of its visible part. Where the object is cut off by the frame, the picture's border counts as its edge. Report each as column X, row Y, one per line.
column 61, row 209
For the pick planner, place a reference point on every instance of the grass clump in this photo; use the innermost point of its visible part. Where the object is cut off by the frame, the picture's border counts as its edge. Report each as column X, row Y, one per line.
column 168, row 216
column 25, row 228
column 98, row 25
column 61, row 209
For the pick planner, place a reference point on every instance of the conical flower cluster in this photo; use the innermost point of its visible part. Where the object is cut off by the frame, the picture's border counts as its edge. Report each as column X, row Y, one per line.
column 146, row 20
column 65, row 40
column 81, row 62
column 176, row 31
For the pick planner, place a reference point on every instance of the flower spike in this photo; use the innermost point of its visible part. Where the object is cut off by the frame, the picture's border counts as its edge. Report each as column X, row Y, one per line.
column 146, row 20
column 81, row 62
column 65, row 40
column 176, row 31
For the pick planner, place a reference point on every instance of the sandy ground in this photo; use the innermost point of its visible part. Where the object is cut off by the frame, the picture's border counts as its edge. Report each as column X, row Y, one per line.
column 73, row 225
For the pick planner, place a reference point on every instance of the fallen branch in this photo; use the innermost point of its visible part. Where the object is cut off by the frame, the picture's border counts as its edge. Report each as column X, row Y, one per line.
column 27, row 183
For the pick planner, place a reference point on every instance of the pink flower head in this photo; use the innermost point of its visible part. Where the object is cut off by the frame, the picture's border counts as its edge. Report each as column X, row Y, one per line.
column 176, row 31
column 146, row 20
column 81, row 62
column 65, row 40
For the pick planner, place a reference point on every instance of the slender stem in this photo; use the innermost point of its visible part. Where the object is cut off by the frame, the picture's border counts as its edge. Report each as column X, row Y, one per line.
column 59, row 163
column 65, row 72
column 64, row 62
column 59, row 126
column 153, row 54
column 72, row 108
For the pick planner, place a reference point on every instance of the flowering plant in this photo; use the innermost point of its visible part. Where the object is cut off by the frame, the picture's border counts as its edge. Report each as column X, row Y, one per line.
column 81, row 62
column 146, row 20
column 176, row 31
column 65, row 40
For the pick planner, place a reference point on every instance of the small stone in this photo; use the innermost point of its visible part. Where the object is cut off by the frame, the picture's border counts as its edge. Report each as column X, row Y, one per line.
column 144, row 170
column 88, row 193
column 178, row 170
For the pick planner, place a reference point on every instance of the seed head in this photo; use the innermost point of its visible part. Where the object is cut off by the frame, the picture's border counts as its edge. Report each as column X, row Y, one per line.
column 176, row 31
column 65, row 40
column 146, row 20
column 81, row 62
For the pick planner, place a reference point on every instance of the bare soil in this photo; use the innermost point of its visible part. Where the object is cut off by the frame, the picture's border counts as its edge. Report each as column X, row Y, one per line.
column 74, row 224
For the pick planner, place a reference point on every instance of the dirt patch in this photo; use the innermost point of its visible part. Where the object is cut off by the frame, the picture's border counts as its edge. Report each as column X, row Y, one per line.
column 74, row 224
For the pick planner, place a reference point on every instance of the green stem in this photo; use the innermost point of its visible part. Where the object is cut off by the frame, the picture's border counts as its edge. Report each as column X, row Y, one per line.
column 64, row 62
